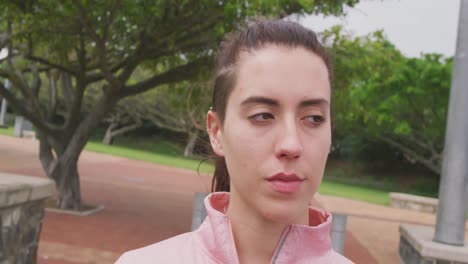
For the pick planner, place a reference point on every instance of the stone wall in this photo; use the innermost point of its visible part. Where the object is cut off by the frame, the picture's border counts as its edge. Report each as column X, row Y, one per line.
column 410, row 255
column 414, row 202
column 417, row 247
column 22, row 201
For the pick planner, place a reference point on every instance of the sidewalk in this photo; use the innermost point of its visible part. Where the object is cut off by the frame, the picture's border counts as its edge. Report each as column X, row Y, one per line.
column 145, row 203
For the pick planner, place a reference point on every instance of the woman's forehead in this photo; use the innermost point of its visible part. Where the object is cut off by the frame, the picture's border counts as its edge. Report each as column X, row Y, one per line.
column 280, row 71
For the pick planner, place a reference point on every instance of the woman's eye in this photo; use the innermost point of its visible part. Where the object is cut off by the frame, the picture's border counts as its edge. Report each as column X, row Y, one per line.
column 261, row 117
column 315, row 119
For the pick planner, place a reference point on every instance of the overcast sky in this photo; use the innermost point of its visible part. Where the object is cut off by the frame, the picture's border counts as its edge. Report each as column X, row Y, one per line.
column 414, row 26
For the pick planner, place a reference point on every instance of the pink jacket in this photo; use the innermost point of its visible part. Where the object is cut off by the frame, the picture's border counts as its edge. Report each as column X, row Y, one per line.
column 212, row 242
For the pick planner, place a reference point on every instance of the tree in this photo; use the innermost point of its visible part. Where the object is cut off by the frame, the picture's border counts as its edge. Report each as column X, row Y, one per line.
column 183, row 109
column 103, row 43
column 178, row 108
column 396, row 100
column 128, row 115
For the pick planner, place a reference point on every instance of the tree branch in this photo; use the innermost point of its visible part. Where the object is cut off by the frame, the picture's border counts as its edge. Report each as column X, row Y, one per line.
column 428, row 146
column 46, row 155
column 179, row 73
column 81, row 53
column 193, row 120
column 164, row 124
column 185, row 37
column 23, row 110
column 36, row 82
column 427, row 162
column 207, row 26
column 74, row 112
column 17, row 81
column 67, row 90
column 84, row 18
column 50, row 64
column 125, row 129
column 100, row 45
column 110, row 18
column 99, row 76
column 52, row 91
column 86, row 127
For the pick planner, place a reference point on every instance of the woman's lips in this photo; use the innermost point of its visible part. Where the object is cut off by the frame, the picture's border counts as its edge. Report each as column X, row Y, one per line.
column 285, row 183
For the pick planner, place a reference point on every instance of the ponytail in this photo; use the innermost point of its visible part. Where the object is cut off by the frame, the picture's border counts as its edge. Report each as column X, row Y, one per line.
column 220, row 182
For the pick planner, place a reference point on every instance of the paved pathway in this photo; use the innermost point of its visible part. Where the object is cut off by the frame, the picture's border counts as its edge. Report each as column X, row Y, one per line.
column 145, row 203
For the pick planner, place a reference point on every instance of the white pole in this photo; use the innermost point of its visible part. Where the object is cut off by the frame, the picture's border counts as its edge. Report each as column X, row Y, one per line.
column 453, row 195
column 4, row 105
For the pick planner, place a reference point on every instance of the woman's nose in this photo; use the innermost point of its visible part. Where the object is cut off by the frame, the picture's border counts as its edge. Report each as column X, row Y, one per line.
column 288, row 144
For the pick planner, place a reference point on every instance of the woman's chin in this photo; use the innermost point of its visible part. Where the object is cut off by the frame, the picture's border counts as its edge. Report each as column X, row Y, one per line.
column 286, row 213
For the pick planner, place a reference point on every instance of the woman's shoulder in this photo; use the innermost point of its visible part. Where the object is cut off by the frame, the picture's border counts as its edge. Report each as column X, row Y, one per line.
column 167, row 251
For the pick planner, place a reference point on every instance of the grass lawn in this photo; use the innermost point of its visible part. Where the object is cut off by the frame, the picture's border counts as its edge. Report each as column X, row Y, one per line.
column 163, row 152
column 7, row 131
column 354, row 192
column 160, row 158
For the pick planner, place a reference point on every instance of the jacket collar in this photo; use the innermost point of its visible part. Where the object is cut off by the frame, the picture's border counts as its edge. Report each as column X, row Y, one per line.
column 298, row 243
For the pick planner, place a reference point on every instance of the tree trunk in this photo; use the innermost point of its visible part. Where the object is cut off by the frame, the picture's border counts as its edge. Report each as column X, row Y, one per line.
column 63, row 170
column 68, row 186
column 59, row 156
column 108, row 138
column 192, row 139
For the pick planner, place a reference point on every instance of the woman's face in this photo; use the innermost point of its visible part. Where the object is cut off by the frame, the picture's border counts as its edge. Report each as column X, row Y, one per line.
column 276, row 135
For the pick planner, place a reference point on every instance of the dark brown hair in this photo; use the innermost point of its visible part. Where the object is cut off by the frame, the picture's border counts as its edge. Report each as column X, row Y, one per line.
column 255, row 37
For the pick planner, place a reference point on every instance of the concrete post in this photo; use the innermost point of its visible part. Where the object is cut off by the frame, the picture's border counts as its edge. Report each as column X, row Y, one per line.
column 453, row 195
column 199, row 210
column 19, row 126
column 338, row 232
column 4, row 105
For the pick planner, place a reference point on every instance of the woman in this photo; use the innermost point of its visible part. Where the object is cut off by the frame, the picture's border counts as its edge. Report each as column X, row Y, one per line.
column 270, row 128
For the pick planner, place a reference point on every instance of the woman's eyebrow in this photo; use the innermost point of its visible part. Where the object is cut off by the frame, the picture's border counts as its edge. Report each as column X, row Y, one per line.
column 260, row 100
column 273, row 102
column 314, row 102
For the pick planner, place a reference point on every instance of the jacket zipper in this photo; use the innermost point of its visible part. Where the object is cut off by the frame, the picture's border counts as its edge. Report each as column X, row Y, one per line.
column 280, row 245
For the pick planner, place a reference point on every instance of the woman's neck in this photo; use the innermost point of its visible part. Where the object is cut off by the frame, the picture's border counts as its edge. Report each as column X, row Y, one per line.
column 256, row 238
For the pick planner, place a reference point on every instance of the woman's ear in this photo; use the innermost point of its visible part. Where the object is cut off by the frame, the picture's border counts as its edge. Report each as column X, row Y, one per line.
column 213, row 127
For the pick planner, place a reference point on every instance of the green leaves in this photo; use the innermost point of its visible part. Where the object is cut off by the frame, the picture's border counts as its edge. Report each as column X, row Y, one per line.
column 402, row 128
column 308, row 5
column 379, row 93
